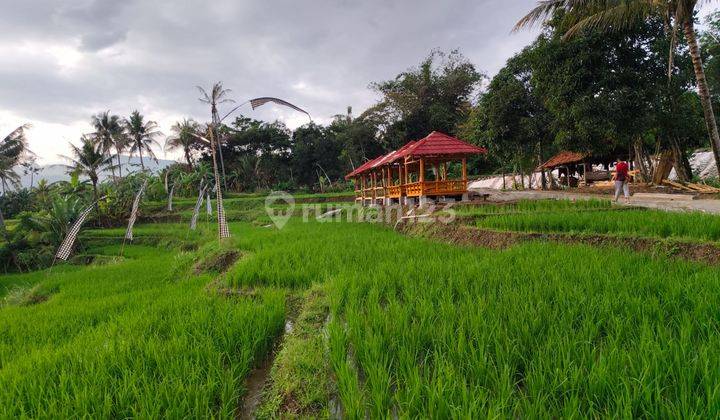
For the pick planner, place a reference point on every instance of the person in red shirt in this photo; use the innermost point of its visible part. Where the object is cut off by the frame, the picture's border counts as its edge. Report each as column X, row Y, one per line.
column 621, row 180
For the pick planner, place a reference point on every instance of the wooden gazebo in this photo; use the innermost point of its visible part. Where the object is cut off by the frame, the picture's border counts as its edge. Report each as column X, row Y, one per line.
column 402, row 175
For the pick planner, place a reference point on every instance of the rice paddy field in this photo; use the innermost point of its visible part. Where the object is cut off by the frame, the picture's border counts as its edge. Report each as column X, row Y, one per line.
column 356, row 320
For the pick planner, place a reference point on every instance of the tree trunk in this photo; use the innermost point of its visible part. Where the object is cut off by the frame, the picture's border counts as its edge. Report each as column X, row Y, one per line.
column 142, row 164
column 663, row 166
column 642, row 161
column 119, row 164
column 543, row 180
column 680, row 161
column 187, row 157
column 703, row 90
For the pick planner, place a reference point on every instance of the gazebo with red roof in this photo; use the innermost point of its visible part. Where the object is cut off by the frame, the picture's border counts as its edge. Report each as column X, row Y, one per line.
column 403, row 173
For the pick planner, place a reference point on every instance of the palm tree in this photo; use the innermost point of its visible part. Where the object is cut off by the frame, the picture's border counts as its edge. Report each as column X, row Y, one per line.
column 42, row 192
column 217, row 96
column 183, row 138
column 30, row 168
column 142, row 136
column 90, row 160
column 613, row 15
column 13, row 151
column 110, row 133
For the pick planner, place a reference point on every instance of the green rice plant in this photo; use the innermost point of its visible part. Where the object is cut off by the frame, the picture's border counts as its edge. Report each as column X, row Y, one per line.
column 526, row 206
column 650, row 223
column 124, row 340
column 422, row 329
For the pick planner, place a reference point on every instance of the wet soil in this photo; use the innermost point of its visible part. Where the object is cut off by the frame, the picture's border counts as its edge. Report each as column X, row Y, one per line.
column 708, row 253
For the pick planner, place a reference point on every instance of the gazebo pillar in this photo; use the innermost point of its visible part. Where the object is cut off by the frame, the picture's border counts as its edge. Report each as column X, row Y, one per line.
column 423, row 198
column 465, row 196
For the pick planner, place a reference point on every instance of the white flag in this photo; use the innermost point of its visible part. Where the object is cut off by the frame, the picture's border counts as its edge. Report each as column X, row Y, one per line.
column 67, row 244
column 133, row 213
column 170, row 197
column 196, row 212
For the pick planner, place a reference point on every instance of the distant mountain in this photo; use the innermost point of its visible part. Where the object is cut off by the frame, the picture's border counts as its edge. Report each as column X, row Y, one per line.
column 58, row 172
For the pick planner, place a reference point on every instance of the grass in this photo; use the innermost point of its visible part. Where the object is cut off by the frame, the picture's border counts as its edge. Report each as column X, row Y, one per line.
column 301, row 378
column 649, row 223
column 131, row 340
column 426, row 329
column 390, row 325
column 526, row 206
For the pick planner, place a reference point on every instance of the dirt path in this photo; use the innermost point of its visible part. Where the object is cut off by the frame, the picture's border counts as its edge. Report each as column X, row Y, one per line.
column 668, row 202
column 708, row 253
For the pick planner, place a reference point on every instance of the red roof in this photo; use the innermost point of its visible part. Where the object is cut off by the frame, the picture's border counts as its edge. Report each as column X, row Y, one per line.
column 563, row 158
column 365, row 166
column 392, row 156
column 438, row 144
column 435, row 144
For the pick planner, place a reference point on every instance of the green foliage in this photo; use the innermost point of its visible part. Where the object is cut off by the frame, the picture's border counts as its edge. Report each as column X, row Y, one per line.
column 13, row 152
column 533, row 206
column 432, row 96
column 14, row 202
column 596, row 93
column 123, row 341
column 301, row 377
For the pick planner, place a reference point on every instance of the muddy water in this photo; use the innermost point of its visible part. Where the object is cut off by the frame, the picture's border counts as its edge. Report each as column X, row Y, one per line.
column 258, row 378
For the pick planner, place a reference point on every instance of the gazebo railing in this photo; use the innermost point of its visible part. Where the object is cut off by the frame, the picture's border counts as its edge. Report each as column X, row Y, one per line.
column 450, row 187
column 414, row 189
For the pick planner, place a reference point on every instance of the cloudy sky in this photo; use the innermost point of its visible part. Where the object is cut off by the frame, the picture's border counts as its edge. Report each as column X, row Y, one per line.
column 63, row 60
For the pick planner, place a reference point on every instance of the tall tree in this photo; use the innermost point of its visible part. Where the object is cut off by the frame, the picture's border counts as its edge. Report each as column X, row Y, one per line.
column 13, row 151
column 511, row 119
column 258, row 150
column 183, row 137
column 110, row 133
column 616, row 15
column 434, row 96
column 89, row 160
column 316, row 154
column 142, row 135
column 216, row 96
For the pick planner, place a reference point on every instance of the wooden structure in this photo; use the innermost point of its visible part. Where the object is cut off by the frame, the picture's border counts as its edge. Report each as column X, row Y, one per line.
column 567, row 163
column 417, row 170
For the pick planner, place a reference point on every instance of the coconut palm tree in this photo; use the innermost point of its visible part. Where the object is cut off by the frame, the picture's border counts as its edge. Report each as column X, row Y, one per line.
column 142, row 135
column 13, row 152
column 183, row 138
column 90, row 160
column 614, row 15
column 216, row 96
column 110, row 133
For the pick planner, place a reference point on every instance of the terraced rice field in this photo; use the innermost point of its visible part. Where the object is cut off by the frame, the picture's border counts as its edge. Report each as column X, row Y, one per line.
column 383, row 325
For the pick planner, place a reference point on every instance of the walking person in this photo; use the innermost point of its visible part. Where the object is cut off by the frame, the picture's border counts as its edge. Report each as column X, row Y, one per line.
column 621, row 180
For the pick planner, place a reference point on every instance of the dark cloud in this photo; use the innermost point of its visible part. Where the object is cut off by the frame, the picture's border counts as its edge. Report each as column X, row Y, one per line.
column 61, row 61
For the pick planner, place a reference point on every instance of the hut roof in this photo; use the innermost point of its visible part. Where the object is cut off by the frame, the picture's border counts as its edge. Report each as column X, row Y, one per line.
column 564, row 158
column 435, row 144
column 438, row 144
column 364, row 167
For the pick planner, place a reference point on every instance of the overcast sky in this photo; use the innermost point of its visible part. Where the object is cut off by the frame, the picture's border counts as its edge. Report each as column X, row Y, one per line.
column 63, row 60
